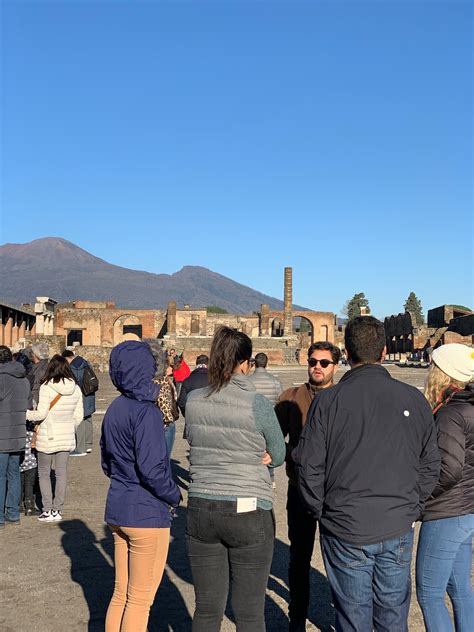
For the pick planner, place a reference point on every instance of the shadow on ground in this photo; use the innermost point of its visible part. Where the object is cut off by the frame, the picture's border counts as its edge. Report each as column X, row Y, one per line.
column 92, row 568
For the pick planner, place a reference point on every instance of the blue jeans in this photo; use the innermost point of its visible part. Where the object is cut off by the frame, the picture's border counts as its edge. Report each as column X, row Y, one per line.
column 443, row 564
column 371, row 584
column 10, row 486
column 170, row 434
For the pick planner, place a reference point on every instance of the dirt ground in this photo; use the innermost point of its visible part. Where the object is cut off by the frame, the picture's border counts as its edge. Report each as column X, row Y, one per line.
column 59, row 577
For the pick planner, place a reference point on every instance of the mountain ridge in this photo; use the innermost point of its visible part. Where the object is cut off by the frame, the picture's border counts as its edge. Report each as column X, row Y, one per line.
column 56, row 267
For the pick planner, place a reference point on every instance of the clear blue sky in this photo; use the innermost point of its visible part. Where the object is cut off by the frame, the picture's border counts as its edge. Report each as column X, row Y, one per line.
column 335, row 137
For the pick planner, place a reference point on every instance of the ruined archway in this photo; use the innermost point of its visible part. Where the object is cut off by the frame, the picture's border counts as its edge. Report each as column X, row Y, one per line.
column 126, row 323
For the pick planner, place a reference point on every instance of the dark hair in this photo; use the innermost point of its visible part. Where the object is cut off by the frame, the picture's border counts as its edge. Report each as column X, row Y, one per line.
column 67, row 353
column 57, row 370
column 202, row 359
column 261, row 360
column 229, row 348
column 5, row 354
column 364, row 340
column 323, row 345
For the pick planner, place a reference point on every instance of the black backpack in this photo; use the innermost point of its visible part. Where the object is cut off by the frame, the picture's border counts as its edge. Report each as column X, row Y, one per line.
column 90, row 381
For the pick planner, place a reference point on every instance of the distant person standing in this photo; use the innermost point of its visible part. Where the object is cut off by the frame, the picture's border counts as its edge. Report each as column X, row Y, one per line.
column 199, row 378
column 40, row 360
column 291, row 410
column 89, row 384
column 166, row 401
column 265, row 383
column 367, row 461
column 14, row 395
column 444, row 556
column 180, row 372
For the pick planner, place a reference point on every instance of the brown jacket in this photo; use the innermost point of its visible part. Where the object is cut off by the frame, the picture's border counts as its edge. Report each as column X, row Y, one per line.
column 291, row 410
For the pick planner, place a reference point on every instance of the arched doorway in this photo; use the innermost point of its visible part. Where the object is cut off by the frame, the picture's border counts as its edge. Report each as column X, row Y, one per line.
column 304, row 329
column 277, row 328
column 126, row 324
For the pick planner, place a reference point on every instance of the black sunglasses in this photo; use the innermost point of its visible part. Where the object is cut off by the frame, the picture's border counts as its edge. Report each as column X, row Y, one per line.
column 324, row 363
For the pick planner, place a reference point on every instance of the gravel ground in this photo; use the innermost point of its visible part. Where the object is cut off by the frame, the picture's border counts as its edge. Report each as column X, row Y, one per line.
column 58, row 577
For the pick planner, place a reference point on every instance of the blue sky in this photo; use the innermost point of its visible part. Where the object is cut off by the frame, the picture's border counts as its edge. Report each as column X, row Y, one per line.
column 335, row 137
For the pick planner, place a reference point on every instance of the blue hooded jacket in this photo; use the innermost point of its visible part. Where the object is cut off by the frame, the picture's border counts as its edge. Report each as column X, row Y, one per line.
column 133, row 446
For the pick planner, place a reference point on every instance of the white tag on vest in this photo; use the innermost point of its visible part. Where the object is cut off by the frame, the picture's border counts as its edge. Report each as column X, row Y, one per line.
column 246, row 504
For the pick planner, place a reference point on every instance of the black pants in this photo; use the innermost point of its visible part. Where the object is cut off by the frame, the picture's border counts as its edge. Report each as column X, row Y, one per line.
column 28, row 479
column 301, row 533
column 225, row 545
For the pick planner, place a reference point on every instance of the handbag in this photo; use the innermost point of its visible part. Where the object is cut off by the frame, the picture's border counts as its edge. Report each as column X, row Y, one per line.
column 37, row 427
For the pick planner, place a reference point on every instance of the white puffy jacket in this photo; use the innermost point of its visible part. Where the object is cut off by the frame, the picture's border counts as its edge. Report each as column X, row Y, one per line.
column 58, row 425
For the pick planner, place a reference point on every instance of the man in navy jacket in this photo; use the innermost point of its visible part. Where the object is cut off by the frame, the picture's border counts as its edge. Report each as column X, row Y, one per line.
column 367, row 461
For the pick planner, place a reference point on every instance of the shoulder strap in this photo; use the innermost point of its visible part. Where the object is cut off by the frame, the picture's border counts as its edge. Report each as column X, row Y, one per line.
column 55, row 401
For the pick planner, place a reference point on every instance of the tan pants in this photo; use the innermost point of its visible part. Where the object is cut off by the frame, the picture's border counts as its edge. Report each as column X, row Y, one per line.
column 140, row 558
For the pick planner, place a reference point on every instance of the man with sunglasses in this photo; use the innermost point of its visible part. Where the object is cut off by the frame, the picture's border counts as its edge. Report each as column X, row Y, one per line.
column 291, row 410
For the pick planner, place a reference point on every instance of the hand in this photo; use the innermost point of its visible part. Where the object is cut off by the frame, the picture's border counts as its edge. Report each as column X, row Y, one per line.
column 266, row 458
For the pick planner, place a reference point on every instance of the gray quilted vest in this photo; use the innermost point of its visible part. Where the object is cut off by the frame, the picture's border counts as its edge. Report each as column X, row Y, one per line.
column 226, row 448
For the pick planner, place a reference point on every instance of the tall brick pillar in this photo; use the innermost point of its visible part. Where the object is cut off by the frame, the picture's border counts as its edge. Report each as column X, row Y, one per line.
column 264, row 320
column 288, row 303
column 8, row 330
column 171, row 319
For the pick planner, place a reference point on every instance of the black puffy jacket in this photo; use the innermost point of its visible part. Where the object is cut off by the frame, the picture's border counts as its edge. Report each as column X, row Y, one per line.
column 14, row 395
column 454, row 494
column 198, row 379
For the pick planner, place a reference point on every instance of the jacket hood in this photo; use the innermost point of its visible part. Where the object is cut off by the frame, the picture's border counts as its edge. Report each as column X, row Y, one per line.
column 466, row 396
column 13, row 368
column 79, row 362
column 132, row 368
column 64, row 387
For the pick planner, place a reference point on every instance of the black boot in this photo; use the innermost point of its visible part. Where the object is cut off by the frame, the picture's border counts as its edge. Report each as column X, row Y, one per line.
column 30, row 508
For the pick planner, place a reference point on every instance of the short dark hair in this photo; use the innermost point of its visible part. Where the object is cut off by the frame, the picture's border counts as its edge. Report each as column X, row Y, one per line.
column 67, row 353
column 364, row 340
column 324, row 345
column 261, row 360
column 202, row 359
column 57, row 370
column 5, row 354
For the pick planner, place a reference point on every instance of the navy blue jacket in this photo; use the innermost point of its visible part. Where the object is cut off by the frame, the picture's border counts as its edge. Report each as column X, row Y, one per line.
column 77, row 366
column 133, row 446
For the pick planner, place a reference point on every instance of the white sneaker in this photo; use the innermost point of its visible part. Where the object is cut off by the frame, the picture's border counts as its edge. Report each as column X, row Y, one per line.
column 56, row 516
column 46, row 516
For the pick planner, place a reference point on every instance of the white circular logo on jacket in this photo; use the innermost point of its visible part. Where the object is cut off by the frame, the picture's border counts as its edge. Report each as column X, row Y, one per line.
column 406, row 413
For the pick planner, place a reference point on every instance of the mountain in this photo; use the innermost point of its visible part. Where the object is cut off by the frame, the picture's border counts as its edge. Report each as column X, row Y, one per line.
column 59, row 269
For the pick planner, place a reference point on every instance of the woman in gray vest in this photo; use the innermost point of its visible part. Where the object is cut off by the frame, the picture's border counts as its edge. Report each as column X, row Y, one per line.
column 233, row 435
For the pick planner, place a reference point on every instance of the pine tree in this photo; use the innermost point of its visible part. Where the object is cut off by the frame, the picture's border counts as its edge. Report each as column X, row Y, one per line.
column 352, row 308
column 413, row 305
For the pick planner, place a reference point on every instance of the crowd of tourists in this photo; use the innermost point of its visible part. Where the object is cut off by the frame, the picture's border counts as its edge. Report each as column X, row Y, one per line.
column 46, row 407
column 366, row 459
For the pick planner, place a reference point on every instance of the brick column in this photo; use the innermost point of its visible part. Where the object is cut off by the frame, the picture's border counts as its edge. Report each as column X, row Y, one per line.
column 171, row 319
column 288, row 303
column 264, row 320
column 8, row 331
column 22, row 328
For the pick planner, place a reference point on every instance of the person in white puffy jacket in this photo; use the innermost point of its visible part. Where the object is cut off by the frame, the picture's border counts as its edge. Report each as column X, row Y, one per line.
column 59, row 412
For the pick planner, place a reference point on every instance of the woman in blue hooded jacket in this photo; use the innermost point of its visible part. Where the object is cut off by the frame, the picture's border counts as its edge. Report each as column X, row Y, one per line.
column 142, row 493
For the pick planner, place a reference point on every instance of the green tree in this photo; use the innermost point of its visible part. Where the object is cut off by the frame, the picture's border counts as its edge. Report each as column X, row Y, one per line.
column 413, row 305
column 352, row 307
column 215, row 309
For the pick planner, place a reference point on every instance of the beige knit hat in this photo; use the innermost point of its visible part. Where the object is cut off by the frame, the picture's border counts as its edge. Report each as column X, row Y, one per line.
column 455, row 360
